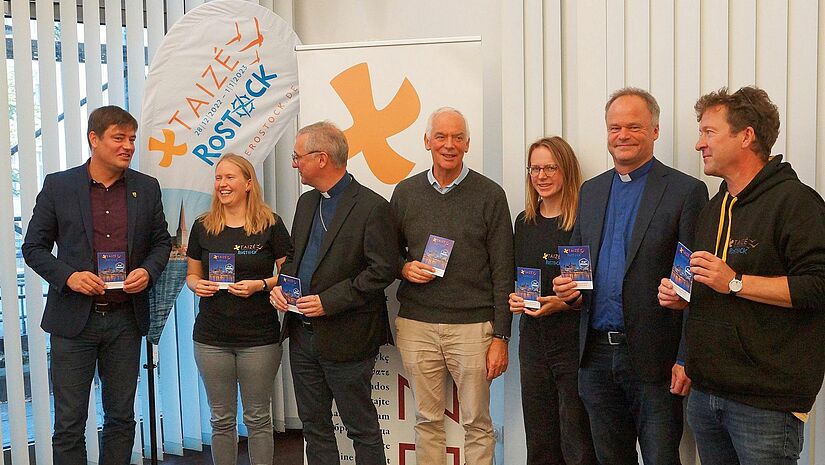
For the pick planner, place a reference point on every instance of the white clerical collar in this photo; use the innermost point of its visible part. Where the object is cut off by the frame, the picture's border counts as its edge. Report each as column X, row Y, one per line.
column 625, row 177
column 325, row 195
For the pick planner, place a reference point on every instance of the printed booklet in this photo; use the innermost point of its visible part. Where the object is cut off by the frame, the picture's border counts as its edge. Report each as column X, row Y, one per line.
column 437, row 253
column 528, row 286
column 680, row 274
column 574, row 261
column 111, row 267
column 222, row 269
column 291, row 287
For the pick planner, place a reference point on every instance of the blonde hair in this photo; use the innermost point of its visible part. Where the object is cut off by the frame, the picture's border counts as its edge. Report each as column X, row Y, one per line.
column 258, row 214
column 571, row 176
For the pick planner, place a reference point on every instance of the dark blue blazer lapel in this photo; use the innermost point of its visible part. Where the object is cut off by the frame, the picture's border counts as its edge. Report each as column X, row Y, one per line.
column 601, row 194
column 302, row 225
column 132, row 199
column 348, row 200
column 651, row 197
column 85, row 201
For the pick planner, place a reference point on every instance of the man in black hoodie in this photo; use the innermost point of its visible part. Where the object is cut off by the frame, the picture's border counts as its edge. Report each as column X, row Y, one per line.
column 756, row 328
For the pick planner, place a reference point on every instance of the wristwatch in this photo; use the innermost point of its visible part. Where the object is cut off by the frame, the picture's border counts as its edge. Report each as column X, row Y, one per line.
column 502, row 337
column 735, row 284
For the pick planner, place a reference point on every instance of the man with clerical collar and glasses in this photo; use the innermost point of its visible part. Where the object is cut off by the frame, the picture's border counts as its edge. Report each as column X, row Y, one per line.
column 631, row 375
column 97, row 209
column 345, row 255
column 456, row 323
column 756, row 330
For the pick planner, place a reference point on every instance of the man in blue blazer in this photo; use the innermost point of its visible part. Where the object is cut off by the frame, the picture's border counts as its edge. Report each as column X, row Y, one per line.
column 345, row 254
column 97, row 208
column 631, row 375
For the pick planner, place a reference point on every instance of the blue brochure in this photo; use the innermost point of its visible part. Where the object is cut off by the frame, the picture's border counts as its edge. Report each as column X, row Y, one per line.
column 291, row 288
column 111, row 267
column 680, row 274
column 222, row 269
column 437, row 253
column 575, row 263
column 528, row 286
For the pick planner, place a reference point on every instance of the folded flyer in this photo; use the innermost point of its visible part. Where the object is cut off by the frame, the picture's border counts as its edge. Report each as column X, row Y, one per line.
column 222, row 269
column 680, row 274
column 437, row 253
column 291, row 288
column 111, row 267
column 528, row 286
column 574, row 261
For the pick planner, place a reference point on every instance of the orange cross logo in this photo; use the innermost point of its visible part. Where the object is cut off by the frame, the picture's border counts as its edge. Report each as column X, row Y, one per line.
column 168, row 147
column 371, row 127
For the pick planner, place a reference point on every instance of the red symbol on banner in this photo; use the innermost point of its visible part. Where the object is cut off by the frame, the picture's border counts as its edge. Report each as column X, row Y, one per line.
column 454, row 414
column 404, row 447
column 404, row 383
column 168, row 147
column 371, row 127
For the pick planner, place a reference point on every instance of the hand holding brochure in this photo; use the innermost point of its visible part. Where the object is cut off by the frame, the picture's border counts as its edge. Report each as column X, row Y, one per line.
column 574, row 261
column 111, row 267
column 528, row 286
column 437, row 253
column 680, row 274
column 291, row 288
column 222, row 269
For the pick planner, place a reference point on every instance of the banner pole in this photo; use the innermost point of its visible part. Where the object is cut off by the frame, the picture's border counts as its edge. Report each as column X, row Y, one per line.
column 150, row 379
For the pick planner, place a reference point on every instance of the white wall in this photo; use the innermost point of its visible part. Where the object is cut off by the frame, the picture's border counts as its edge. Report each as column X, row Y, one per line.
column 550, row 65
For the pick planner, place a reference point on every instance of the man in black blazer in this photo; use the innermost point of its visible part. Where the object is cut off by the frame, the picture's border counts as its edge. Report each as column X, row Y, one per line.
column 101, row 206
column 345, row 254
column 631, row 375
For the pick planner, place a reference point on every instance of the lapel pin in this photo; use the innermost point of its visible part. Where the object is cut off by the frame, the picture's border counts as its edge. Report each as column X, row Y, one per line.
column 134, row 194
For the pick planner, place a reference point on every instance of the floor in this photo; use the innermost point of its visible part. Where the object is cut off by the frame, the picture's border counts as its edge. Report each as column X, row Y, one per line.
column 289, row 450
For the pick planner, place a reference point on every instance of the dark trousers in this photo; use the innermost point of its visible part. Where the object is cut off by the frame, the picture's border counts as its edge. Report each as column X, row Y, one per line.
column 110, row 342
column 317, row 382
column 623, row 408
column 556, row 424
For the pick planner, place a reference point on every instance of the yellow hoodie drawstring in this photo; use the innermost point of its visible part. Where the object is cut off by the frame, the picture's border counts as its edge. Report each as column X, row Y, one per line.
column 722, row 224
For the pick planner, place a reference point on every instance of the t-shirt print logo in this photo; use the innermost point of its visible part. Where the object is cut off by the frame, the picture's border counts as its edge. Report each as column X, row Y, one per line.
column 371, row 127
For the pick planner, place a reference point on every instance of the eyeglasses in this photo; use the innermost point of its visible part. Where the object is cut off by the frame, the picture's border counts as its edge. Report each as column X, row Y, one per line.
column 548, row 170
column 295, row 155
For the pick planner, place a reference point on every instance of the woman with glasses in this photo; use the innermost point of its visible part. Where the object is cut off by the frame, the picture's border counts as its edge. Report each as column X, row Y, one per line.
column 240, row 241
column 555, row 421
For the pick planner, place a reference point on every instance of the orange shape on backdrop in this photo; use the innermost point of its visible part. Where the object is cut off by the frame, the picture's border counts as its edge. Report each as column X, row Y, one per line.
column 168, row 147
column 372, row 127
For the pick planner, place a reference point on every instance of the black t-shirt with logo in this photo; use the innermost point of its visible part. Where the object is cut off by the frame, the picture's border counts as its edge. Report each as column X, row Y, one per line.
column 227, row 320
column 536, row 245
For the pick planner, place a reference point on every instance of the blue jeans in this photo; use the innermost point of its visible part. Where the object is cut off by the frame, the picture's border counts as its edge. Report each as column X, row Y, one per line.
column 223, row 370
column 317, row 382
column 623, row 408
column 731, row 433
column 110, row 342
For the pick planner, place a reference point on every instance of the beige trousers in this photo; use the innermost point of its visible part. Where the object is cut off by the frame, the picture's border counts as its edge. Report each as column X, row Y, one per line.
column 431, row 351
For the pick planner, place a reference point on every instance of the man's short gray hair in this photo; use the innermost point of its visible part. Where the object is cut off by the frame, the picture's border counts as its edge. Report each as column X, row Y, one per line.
column 324, row 136
column 442, row 110
column 650, row 100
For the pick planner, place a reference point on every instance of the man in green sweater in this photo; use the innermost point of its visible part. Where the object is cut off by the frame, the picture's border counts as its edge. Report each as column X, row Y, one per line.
column 458, row 323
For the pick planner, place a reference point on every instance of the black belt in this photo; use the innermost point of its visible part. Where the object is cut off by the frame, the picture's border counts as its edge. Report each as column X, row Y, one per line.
column 613, row 338
column 104, row 308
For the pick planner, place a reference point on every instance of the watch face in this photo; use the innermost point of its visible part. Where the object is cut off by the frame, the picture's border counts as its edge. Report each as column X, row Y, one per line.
column 735, row 285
